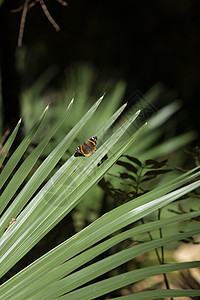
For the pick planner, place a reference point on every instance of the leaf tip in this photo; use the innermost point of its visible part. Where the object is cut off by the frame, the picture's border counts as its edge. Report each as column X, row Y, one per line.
column 70, row 103
column 47, row 107
column 101, row 98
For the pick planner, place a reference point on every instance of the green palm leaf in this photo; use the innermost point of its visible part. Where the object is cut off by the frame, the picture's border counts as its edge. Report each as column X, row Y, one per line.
column 8, row 144
column 17, row 155
column 105, row 286
column 47, row 202
column 160, row 294
column 45, row 278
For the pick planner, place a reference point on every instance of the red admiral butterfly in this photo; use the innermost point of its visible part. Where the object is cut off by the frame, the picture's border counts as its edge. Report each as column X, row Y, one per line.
column 87, row 148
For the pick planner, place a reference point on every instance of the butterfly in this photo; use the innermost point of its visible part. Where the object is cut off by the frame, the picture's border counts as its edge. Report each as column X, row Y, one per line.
column 87, row 147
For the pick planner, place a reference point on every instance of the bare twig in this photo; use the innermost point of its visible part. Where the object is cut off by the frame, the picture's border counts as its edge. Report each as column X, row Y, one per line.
column 162, row 254
column 15, row 10
column 27, row 5
column 62, row 2
column 47, row 14
column 160, row 259
column 22, row 24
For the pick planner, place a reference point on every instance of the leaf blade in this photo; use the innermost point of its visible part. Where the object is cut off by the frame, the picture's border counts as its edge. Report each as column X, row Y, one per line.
column 118, row 281
column 17, row 155
column 6, row 147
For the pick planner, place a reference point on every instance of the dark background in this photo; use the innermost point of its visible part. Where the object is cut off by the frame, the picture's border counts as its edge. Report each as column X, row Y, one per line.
column 143, row 42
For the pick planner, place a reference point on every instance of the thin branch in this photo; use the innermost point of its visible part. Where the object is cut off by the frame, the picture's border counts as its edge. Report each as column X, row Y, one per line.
column 62, row 2
column 162, row 254
column 15, row 10
column 27, row 5
column 161, row 236
column 49, row 17
column 161, row 260
column 22, row 24
column 151, row 238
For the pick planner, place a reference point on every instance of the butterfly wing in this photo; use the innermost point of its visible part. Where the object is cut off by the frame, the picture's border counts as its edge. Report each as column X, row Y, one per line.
column 87, row 148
